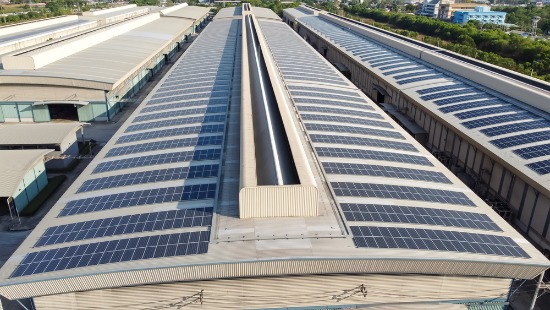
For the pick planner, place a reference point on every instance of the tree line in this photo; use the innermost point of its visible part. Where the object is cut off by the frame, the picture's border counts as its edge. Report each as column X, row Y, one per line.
column 492, row 45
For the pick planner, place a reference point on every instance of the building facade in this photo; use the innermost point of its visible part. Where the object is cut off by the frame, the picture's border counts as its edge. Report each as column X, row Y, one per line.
column 482, row 14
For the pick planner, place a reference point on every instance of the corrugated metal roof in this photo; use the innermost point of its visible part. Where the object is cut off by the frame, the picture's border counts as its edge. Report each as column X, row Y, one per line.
column 37, row 133
column 14, row 164
column 190, row 12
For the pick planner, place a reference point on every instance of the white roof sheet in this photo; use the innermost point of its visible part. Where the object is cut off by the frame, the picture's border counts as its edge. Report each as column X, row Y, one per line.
column 37, row 133
column 14, row 164
column 190, row 12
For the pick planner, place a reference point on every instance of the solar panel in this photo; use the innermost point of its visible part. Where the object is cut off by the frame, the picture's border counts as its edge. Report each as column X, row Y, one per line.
column 397, row 65
column 338, row 111
column 533, row 151
column 302, row 78
column 383, row 62
column 322, row 95
column 541, row 167
column 374, row 155
column 344, row 120
column 435, row 240
column 158, row 159
column 139, row 198
column 152, row 176
column 416, row 73
column 163, row 145
column 385, row 171
column 333, row 103
column 183, row 104
column 416, row 215
column 354, row 130
column 420, row 79
column 400, row 192
column 210, row 95
column 470, row 105
column 448, row 93
column 476, row 123
column 521, row 139
column 324, row 90
column 486, row 111
column 219, row 118
column 218, row 128
column 457, row 99
column 317, row 138
column 439, row 88
column 186, row 112
column 510, row 128
column 114, row 251
column 127, row 224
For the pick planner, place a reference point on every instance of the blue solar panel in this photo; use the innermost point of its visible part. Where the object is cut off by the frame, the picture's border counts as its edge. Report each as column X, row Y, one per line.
column 417, row 215
column 113, row 251
column 533, row 151
column 128, row 224
column 420, row 79
column 492, row 120
column 436, row 240
column 385, row 172
column 205, row 96
column 457, row 99
column 321, row 95
column 541, row 167
column 409, row 68
column 139, row 198
column 317, row 138
column 158, row 159
column 354, row 130
column 486, row 111
column 510, row 128
column 338, row 111
column 186, row 104
column 364, row 106
column 324, row 90
column 372, row 190
column 439, row 88
column 219, row 118
column 521, row 139
column 185, row 112
column 170, row 133
column 408, row 75
column 163, row 145
column 398, row 65
column 143, row 177
column 450, row 93
column 470, row 105
column 345, row 120
column 374, row 155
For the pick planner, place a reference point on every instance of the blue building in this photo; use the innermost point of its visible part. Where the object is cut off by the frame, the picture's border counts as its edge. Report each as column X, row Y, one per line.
column 482, row 14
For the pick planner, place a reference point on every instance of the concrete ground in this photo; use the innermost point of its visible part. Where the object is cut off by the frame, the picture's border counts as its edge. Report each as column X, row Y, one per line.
column 12, row 233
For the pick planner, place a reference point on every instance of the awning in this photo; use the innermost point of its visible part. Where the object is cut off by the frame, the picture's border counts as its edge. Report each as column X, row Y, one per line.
column 60, row 102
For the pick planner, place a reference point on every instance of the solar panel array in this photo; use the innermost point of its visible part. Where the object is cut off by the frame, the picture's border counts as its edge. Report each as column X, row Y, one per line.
column 183, row 126
column 472, row 106
column 349, row 149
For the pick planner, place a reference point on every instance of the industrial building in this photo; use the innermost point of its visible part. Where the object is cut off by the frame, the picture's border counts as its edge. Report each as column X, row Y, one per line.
column 23, row 177
column 59, row 138
column 482, row 14
column 91, row 74
column 256, row 175
column 488, row 124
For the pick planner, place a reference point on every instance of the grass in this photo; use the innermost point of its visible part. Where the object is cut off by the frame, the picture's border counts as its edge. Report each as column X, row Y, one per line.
column 36, row 203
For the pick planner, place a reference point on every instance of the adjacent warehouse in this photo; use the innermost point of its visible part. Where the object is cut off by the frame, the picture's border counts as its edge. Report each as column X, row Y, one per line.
column 23, row 177
column 488, row 124
column 59, row 138
column 91, row 76
column 156, row 219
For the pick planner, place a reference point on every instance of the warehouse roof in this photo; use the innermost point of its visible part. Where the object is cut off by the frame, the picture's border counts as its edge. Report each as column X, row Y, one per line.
column 159, row 203
column 190, row 12
column 107, row 64
column 515, row 132
column 36, row 134
column 14, row 164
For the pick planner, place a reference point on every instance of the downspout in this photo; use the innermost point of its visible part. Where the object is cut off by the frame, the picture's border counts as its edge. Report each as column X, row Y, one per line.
column 107, row 105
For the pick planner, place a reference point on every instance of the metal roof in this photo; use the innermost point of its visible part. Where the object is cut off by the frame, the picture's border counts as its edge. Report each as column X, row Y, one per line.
column 107, row 64
column 514, row 131
column 14, row 164
column 190, row 12
column 159, row 201
column 37, row 133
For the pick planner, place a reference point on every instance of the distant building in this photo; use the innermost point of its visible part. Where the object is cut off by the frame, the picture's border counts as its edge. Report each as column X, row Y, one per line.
column 482, row 14
column 430, row 8
column 447, row 10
